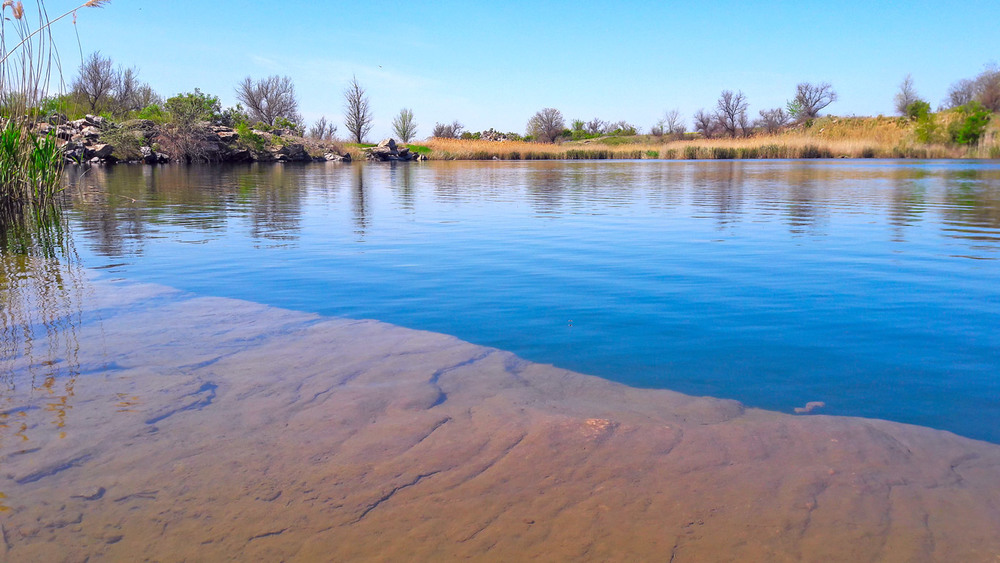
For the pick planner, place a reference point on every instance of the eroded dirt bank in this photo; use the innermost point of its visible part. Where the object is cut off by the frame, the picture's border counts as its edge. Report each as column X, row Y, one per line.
column 205, row 429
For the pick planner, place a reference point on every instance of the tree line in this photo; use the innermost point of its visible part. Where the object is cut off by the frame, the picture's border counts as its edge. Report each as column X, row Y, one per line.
column 271, row 102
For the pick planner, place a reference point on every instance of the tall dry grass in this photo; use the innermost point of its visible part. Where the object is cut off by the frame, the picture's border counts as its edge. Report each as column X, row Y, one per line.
column 828, row 137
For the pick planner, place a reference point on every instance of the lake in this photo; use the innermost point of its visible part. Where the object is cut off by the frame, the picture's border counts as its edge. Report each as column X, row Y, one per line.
column 870, row 286
column 506, row 361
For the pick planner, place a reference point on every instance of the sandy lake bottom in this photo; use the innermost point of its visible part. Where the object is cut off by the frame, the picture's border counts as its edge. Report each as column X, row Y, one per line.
column 146, row 423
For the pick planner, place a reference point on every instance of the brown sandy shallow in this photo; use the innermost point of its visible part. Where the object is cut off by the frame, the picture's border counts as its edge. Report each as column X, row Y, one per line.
column 207, row 429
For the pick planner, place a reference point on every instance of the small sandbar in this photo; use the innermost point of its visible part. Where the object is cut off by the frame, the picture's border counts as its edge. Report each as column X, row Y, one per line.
column 208, row 429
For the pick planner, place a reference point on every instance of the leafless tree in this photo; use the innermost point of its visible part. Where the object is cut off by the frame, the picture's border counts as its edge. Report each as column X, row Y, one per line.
column 731, row 111
column 961, row 93
column 96, row 81
column 323, row 130
column 810, row 99
column 704, row 123
column 357, row 113
column 596, row 127
column 621, row 128
column 745, row 125
column 404, row 126
column 772, row 120
column 451, row 130
column 269, row 98
column 546, row 125
column 988, row 88
column 129, row 93
column 673, row 124
column 145, row 96
column 657, row 129
column 907, row 95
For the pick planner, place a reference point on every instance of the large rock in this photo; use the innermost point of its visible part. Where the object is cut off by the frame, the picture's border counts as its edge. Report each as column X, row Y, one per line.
column 100, row 151
column 91, row 132
column 228, row 136
column 334, row 157
column 387, row 151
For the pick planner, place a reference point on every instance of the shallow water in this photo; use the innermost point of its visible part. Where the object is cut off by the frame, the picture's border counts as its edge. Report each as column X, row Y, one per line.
column 144, row 423
column 867, row 285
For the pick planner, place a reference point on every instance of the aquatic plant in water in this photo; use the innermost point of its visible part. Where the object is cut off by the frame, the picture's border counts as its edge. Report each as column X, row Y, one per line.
column 30, row 164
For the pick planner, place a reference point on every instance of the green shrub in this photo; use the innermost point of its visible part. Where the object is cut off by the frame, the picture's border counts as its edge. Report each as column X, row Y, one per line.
column 125, row 141
column 918, row 109
column 248, row 138
column 973, row 119
column 153, row 112
column 191, row 107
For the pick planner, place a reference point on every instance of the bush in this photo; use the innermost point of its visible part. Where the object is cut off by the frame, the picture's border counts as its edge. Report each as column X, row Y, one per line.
column 973, row 119
column 192, row 107
column 918, row 109
column 248, row 138
column 155, row 113
column 125, row 141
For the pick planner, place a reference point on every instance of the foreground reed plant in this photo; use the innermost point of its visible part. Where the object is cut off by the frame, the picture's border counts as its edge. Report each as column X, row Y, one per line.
column 30, row 165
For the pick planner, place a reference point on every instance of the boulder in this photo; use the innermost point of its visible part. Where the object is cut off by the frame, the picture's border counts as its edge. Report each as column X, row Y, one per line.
column 99, row 151
column 91, row 132
column 228, row 136
column 388, row 142
column 148, row 155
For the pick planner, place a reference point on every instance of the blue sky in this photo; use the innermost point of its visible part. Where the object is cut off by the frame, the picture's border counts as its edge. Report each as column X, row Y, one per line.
column 493, row 64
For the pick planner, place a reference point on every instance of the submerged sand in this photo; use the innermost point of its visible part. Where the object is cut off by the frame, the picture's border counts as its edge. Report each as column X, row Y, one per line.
column 208, row 429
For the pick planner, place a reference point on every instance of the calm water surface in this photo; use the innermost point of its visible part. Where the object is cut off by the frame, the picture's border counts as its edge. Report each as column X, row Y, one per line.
column 869, row 285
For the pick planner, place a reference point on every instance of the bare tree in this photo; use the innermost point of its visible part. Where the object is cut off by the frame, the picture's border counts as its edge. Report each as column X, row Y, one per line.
column 404, row 126
column 731, row 111
column 269, row 99
column 145, row 96
column 810, row 99
column 907, row 95
column 961, row 93
column 546, row 125
column 988, row 88
column 451, row 130
column 621, row 128
column 984, row 88
column 704, row 123
column 746, row 126
column 657, row 129
column 596, row 127
column 96, row 81
column 673, row 124
column 323, row 130
column 357, row 113
column 772, row 120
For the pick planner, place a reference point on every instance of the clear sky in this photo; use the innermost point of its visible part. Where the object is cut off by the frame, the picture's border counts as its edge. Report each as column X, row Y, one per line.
column 493, row 64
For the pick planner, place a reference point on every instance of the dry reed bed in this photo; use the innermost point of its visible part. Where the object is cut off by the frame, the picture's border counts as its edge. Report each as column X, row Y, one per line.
column 830, row 137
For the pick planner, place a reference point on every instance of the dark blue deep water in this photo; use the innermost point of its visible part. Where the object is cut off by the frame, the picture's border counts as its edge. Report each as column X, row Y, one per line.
column 873, row 286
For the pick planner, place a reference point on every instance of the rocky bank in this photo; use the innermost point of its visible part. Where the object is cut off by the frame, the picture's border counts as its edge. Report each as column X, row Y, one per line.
column 95, row 139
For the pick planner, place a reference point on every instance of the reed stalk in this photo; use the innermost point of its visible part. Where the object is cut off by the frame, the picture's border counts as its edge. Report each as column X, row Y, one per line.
column 30, row 164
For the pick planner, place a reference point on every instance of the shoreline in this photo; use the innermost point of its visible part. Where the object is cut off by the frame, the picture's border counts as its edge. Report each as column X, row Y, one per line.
column 212, row 428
